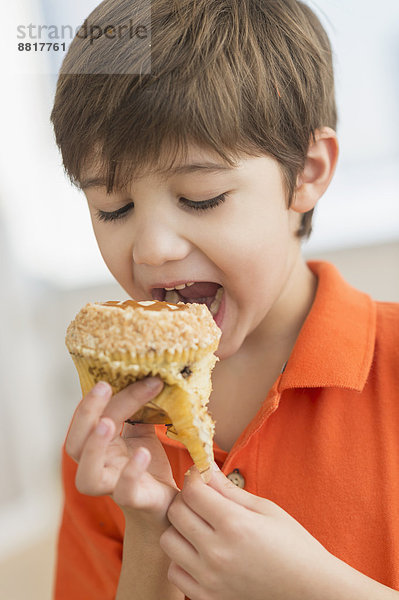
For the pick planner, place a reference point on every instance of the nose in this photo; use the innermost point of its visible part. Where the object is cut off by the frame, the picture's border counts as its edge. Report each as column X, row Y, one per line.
column 156, row 243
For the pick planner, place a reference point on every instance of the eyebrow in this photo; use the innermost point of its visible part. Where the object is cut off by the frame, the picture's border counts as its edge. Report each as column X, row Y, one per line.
column 179, row 170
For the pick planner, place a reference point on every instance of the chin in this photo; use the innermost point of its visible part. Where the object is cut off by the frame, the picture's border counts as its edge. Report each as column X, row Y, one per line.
column 226, row 350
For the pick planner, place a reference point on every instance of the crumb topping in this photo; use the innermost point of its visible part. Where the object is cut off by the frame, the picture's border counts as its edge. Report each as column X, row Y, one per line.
column 138, row 327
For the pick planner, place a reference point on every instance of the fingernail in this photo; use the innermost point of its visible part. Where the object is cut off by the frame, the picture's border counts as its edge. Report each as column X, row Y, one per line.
column 141, row 457
column 206, row 476
column 101, row 388
column 102, row 428
column 191, row 471
column 215, row 466
column 152, row 383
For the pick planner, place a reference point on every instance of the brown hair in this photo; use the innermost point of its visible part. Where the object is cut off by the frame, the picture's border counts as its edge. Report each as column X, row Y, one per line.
column 234, row 76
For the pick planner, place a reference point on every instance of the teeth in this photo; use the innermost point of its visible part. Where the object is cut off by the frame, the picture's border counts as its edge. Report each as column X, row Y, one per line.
column 217, row 302
column 172, row 296
column 180, row 287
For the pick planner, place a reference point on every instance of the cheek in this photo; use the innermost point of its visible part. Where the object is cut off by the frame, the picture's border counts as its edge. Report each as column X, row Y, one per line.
column 255, row 241
column 116, row 253
column 261, row 258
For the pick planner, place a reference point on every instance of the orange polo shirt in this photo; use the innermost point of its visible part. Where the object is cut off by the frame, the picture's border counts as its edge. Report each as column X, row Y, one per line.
column 324, row 446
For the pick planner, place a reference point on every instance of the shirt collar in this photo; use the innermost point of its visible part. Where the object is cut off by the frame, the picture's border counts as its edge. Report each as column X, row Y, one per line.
column 335, row 346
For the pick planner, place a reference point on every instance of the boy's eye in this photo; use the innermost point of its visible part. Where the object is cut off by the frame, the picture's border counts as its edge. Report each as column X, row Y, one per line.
column 115, row 215
column 205, row 205
column 121, row 213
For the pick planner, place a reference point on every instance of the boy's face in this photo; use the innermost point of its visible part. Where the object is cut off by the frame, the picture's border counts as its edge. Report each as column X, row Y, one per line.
column 246, row 243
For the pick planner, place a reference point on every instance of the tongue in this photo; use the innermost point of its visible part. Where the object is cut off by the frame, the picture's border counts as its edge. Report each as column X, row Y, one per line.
column 202, row 289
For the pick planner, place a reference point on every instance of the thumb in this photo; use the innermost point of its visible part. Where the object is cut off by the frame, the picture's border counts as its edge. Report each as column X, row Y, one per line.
column 222, row 484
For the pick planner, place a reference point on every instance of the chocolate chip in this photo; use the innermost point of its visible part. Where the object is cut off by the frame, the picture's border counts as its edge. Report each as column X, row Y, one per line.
column 186, row 372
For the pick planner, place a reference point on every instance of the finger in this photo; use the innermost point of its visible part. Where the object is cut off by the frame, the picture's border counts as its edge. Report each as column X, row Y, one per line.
column 137, row 489
column 190, row 525
column 184, row 582
column 128, row 492
column 92, row 476
column 86, row 417
column 219, row 482
column 206, row 502
column 137, row 430
column 125, row 403
column 180, row 550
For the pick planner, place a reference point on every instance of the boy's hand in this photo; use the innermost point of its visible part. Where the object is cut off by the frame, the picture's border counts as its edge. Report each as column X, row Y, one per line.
column 225, row 544
column 133, row 467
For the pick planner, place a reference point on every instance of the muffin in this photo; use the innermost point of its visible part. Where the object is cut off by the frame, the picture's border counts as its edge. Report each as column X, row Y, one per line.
column 122, row 342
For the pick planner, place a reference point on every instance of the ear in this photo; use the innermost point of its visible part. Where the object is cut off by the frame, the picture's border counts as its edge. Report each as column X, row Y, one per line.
column 319, row 168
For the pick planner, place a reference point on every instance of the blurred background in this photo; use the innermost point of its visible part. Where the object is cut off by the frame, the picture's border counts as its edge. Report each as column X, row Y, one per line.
column 50, row 265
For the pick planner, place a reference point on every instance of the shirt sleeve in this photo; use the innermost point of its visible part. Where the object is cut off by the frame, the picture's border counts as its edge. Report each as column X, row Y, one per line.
column 89, row 553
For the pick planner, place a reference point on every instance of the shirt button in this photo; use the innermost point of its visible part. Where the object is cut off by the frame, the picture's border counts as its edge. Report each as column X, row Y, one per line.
column 236, row 477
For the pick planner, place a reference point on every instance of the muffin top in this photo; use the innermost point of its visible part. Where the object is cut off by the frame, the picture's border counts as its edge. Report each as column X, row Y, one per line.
column 140, row 326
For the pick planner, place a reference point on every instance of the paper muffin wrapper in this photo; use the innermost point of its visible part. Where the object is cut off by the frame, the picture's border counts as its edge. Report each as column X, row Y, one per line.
column 182, row 402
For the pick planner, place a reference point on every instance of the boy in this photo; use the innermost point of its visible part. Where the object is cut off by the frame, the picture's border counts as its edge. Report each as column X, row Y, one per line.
column 207, row 169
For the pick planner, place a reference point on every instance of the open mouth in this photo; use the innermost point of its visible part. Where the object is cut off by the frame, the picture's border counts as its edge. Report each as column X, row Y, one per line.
column 201, row 292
